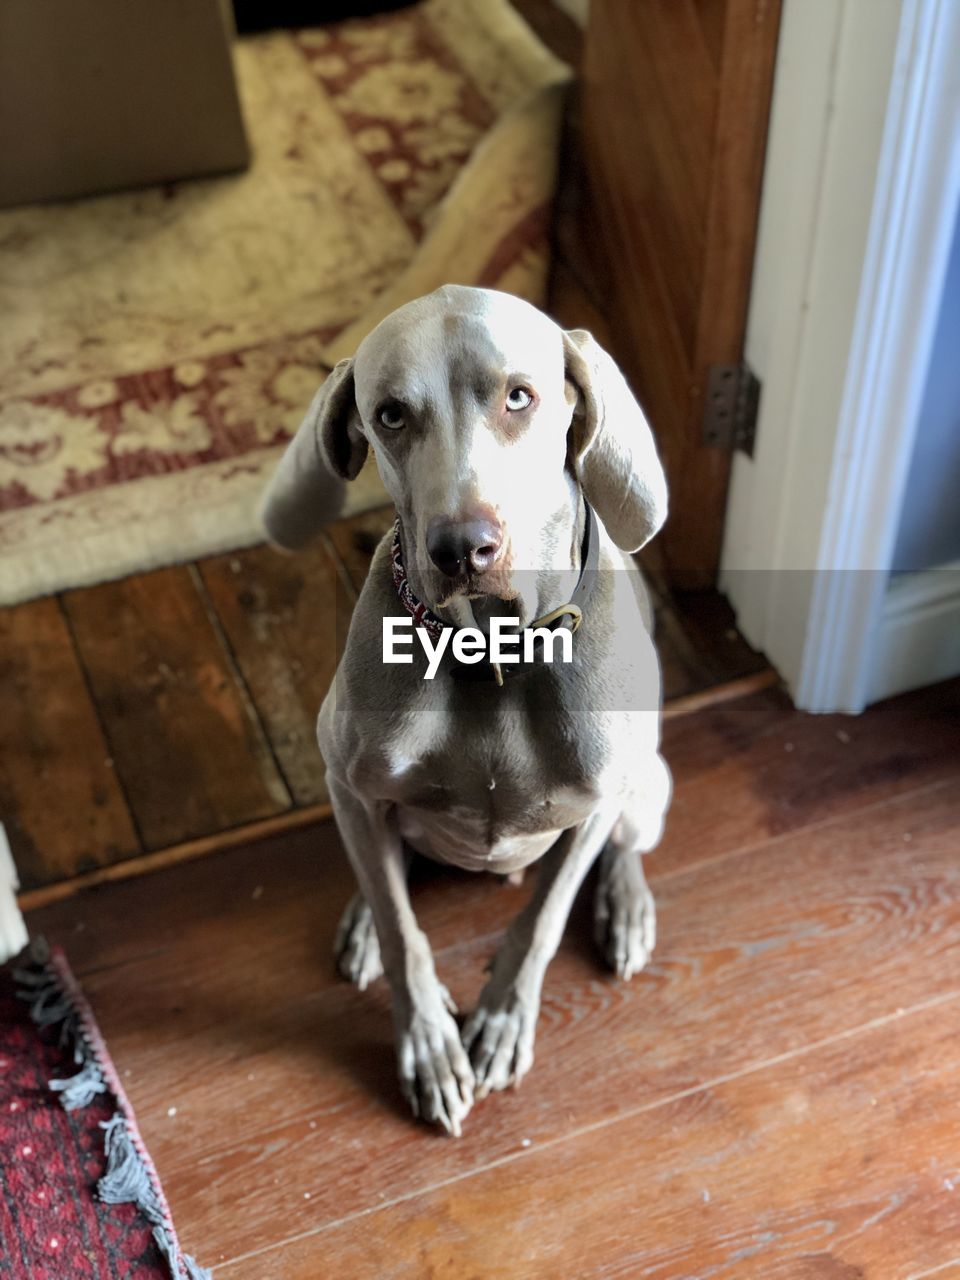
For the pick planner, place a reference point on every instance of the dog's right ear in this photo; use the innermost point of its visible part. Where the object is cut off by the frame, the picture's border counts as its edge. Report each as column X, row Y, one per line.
column 307, row 488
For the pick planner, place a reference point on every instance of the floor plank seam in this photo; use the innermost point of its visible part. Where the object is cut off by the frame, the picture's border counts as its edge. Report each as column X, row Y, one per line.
column 115, row 765
column 153, row 861
column 550, row 1144
column 300, row 816
column 343, row 573
column 748, row 1069
column 150, row 861
column 936, row 1271
column 240, row 684
column 686, row 704
column 812, row 828
column 483, row 940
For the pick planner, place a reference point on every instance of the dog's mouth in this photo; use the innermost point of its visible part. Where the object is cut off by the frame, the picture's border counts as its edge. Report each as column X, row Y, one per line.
column 485, row 587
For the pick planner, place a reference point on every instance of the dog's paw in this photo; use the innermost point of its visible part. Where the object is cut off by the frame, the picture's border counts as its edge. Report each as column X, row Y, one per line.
column 624, row 914
column 435, row 1073
column 357, row 947
column 499, row 1035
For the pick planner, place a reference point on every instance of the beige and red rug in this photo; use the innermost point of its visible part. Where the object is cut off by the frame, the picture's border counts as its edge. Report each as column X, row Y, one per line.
column 158, row 346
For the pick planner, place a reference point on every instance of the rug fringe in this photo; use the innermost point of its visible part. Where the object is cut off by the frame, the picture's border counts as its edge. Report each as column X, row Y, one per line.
column 127, row 1179
column 80, row 1090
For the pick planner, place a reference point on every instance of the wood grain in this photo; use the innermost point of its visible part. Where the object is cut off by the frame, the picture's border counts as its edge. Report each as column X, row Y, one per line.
column 353, row 542
column 850, row 913
column 702, row 627
column 757, row 767
column 855, row 1136
column 143, row 864
column 573, row 305
column 736, row 786
column 294, row 883
column 674, row 107
column 275, row 625
column 60, row 802
column 755, row 961
column 729, row 691
column 286, row 619
column 186, row 742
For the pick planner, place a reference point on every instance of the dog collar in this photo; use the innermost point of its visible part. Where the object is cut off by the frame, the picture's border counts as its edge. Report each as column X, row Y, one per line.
column 569, row 614
column 422, row 616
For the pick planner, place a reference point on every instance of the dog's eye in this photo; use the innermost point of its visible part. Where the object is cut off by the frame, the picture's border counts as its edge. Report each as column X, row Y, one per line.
column 518, row 398
column 391, row 416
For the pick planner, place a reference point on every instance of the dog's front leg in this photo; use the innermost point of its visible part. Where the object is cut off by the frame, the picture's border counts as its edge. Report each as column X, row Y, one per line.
column 500, row 1032
column 435, row 1072
column 356, row 948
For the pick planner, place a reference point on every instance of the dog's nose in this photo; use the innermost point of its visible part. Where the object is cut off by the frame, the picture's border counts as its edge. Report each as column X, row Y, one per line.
column 463, row 546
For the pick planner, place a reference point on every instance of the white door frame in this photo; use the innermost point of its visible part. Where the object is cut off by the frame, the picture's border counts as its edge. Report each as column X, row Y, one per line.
column 861, row 194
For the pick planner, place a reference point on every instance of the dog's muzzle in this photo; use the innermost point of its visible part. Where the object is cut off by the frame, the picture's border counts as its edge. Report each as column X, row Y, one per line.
column 464, row 548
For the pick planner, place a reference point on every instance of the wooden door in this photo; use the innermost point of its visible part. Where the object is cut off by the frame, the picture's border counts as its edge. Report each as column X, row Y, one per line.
column 672, row 125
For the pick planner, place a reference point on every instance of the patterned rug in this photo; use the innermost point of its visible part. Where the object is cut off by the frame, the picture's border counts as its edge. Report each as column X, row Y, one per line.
column 79, row 1196
column 159, row 346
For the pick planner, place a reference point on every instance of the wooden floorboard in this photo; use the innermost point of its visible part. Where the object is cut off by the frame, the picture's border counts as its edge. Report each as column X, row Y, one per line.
column 792, row 916
column 699, row 629
column 185, row 700
column 60, row 800
column 673, row 1191
column 817, row 940
column 770, row 769
column 354, row 541
column 185, row 739
column 286, row 620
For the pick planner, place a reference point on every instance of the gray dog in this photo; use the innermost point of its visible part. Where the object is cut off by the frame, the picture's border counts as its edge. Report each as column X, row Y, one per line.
column 497, row 435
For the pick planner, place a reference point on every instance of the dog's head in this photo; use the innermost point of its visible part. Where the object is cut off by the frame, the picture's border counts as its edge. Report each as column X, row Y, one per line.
column 484, row 416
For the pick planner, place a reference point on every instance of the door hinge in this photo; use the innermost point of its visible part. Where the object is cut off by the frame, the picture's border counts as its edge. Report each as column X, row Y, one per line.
column 730, row 410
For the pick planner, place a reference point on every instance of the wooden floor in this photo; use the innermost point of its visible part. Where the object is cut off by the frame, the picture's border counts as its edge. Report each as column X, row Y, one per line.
column 180, row 705
column 777, row 1096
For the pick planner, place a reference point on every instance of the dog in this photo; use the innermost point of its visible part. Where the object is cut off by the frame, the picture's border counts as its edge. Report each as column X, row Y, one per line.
column 522, row 470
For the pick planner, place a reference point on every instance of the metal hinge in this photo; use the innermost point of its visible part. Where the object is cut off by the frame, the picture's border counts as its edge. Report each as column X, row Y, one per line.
column 730, row 410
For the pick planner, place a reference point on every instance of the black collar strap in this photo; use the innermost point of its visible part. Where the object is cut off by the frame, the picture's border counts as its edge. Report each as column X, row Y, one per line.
column 567, row 615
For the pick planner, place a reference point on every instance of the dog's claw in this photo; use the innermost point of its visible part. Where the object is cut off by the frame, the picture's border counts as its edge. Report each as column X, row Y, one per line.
column 624, row 915
column 435, row 1073
column 499, row 1037
column 357, row 947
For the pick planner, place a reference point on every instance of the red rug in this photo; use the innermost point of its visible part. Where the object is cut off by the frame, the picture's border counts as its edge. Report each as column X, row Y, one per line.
column 79, row 1196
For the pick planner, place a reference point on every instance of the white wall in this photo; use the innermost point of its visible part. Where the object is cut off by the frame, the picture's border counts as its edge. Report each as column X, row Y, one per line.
column 929, row 532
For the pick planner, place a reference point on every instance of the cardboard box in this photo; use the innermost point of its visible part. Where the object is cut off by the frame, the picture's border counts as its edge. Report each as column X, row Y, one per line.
column 101, row 94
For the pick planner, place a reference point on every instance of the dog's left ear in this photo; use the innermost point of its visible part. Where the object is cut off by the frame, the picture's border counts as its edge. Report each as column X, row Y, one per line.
column 307, row 489
column 612, row 447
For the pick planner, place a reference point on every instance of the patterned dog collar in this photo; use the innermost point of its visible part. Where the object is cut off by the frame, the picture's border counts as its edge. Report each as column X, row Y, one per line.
column 569, row 613
column 422, row 616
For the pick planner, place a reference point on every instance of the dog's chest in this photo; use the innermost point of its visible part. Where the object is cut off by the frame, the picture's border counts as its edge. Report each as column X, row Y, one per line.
column 496, row 802
column 497, row 827
column 502, row 800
